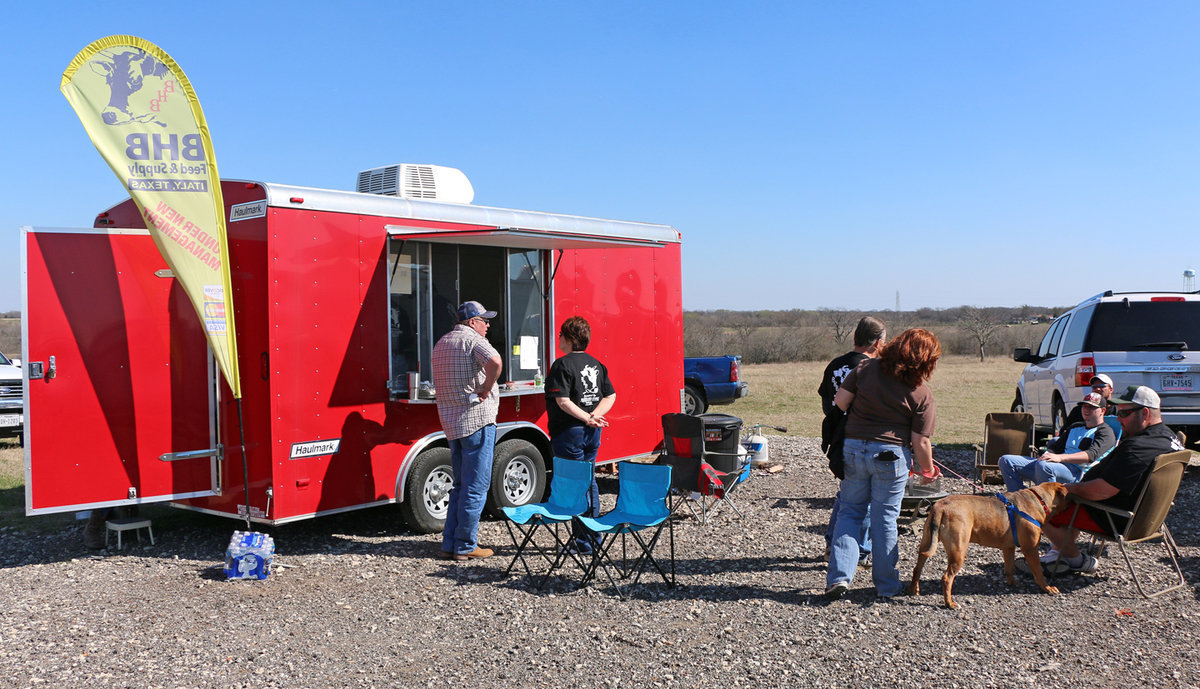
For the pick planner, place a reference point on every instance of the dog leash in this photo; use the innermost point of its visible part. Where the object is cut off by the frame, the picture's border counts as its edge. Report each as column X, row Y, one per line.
column 948, row 469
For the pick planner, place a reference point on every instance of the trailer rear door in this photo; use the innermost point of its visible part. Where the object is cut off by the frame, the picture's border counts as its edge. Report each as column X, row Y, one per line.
column 119, row 380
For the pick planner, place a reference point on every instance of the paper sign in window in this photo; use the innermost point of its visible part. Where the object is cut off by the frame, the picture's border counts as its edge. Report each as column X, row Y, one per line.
column 529, row 352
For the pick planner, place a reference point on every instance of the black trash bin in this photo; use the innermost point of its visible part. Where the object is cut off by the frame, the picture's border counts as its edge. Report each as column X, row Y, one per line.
column 722, row 434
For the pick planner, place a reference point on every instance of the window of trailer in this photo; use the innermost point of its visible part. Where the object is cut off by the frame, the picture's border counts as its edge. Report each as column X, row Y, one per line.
column 427, row 281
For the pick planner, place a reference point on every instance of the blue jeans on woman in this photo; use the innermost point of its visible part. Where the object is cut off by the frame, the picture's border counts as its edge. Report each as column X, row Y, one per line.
column 878, row 485
column 471, row 462
column 581, row 442
column 1015, row 469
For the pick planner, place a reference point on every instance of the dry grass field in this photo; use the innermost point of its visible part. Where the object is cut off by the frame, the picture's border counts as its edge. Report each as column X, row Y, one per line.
column 12, row 482
column 964, row 389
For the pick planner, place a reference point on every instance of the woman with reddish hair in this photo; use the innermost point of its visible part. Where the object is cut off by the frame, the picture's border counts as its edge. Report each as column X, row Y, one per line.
column 890, row 418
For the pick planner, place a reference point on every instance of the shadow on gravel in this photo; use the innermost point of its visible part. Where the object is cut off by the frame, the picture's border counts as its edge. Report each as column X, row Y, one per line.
column 185, row 534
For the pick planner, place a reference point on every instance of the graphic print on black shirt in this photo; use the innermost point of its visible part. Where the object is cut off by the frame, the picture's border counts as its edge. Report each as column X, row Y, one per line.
column 831, row 381
column 579, row 377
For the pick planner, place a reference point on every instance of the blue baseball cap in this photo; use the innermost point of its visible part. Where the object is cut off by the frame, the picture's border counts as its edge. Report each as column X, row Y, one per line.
column 473, row 309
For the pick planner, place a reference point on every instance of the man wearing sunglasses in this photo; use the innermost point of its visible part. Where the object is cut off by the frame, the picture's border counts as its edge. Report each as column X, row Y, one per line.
column 465, row 369
column 1101, row 385
column 1116, row 479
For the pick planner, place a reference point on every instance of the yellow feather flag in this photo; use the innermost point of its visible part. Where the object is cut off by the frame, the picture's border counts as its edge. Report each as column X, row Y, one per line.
column 141, row 112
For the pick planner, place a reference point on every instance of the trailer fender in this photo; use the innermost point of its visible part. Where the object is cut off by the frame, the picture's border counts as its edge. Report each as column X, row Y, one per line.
column 515, row 429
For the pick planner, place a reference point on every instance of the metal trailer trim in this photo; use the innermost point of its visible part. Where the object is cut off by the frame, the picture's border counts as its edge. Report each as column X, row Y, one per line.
column 85, row 506
column 24, row 267
column 25, row 229
column 517, row 238
column 311, row 198
column 277, row 522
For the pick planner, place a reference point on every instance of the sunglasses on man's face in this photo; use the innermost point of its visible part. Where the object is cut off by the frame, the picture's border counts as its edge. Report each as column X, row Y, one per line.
column 1127, row 412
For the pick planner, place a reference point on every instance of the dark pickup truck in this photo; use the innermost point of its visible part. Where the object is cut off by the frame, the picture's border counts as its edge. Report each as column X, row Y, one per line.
column 710, row 380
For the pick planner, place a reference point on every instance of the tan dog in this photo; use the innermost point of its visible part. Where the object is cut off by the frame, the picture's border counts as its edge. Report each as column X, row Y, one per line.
column 963, row 519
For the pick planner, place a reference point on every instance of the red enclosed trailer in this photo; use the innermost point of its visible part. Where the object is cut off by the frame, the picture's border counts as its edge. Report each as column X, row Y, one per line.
column 339, row 298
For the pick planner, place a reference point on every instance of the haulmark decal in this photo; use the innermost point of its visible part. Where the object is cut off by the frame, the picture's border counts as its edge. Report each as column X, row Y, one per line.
column 316, row 448
column 245, row 211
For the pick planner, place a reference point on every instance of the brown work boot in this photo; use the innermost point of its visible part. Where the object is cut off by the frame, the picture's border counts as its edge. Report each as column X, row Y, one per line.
column 474, row 554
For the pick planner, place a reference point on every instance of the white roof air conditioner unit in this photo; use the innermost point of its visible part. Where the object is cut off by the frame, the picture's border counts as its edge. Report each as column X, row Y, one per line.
column 428, row 182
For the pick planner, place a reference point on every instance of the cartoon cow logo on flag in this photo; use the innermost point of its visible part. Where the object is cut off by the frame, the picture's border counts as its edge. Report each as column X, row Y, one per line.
column 125, row 72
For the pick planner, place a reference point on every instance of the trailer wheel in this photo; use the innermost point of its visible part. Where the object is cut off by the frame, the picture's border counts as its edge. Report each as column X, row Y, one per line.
column 427, row 492
column 518, row 476
column 693, row 401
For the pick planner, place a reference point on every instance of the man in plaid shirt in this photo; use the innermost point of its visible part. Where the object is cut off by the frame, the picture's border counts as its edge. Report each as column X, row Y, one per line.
column 465, row 370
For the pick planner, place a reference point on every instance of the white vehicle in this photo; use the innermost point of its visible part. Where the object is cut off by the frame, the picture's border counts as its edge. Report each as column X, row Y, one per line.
column 1136, row 338
column 12, row 401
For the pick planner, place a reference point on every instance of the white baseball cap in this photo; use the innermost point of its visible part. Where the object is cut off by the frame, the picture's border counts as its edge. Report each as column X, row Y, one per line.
column 1139, row 395
column 1102, row 378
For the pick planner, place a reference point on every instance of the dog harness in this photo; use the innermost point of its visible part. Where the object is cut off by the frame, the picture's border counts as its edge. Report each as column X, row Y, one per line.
column 1013, row 512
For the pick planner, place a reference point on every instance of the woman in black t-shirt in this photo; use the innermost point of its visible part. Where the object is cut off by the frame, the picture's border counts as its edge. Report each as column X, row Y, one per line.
column 578, row 395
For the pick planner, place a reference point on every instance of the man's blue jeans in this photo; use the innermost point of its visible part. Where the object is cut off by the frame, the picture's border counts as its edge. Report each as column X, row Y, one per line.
column 471, row 462
column 879, row 486
column 581, row 442
column 1015, row 469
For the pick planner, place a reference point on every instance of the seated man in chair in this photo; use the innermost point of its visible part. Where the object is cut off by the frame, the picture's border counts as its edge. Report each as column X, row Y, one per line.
column 1067, row 456
column 1116, row 479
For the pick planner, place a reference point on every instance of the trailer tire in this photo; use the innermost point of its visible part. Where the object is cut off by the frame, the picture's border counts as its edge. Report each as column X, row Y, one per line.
column 427, row 492
column 693, row 401
column 518, row 476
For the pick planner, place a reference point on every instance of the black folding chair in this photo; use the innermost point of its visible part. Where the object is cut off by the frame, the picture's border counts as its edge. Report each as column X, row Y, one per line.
column 684, row 450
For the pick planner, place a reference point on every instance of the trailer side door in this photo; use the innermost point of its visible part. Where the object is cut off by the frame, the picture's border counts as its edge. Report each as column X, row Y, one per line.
column 117, row 375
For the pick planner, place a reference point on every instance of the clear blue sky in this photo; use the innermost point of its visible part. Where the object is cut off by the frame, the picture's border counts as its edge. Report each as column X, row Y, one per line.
column 813, row 154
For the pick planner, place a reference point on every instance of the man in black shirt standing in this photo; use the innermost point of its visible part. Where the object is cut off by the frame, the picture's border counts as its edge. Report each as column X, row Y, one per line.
column 1117, row 478
column 578, row 395
column 869, row 338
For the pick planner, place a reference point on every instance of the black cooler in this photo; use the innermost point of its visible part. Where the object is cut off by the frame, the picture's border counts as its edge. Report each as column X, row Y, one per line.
column 722, row 434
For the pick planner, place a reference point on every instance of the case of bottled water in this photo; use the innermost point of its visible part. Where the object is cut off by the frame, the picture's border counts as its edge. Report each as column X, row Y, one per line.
column 249, row 555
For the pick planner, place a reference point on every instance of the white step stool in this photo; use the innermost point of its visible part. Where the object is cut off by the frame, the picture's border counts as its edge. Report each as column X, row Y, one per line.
column 125, row 524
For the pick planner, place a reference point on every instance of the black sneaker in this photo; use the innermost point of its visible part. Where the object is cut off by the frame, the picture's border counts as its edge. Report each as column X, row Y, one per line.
column 837, row 590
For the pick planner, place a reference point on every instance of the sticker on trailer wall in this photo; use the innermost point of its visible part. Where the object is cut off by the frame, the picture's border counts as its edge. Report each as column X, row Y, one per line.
column 245, row 211
column 315, row 448
column 214, row 309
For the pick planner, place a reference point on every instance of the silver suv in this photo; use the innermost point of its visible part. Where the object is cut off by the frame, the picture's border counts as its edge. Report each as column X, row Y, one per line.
column 1136, row 338
column 12, row 405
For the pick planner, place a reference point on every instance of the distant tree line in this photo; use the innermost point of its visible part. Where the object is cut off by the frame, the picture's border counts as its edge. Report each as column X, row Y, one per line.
column 808, row 335
column 817, row 335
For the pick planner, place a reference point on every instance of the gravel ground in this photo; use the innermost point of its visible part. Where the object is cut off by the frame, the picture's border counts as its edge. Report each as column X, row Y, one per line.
column 361, row 602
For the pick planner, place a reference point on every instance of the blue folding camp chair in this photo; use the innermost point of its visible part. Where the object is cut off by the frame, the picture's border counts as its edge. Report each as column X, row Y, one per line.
column 569, row 488
column 641, row 505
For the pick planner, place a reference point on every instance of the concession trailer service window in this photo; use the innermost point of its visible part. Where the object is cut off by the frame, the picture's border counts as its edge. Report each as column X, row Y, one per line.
column 426, row 283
